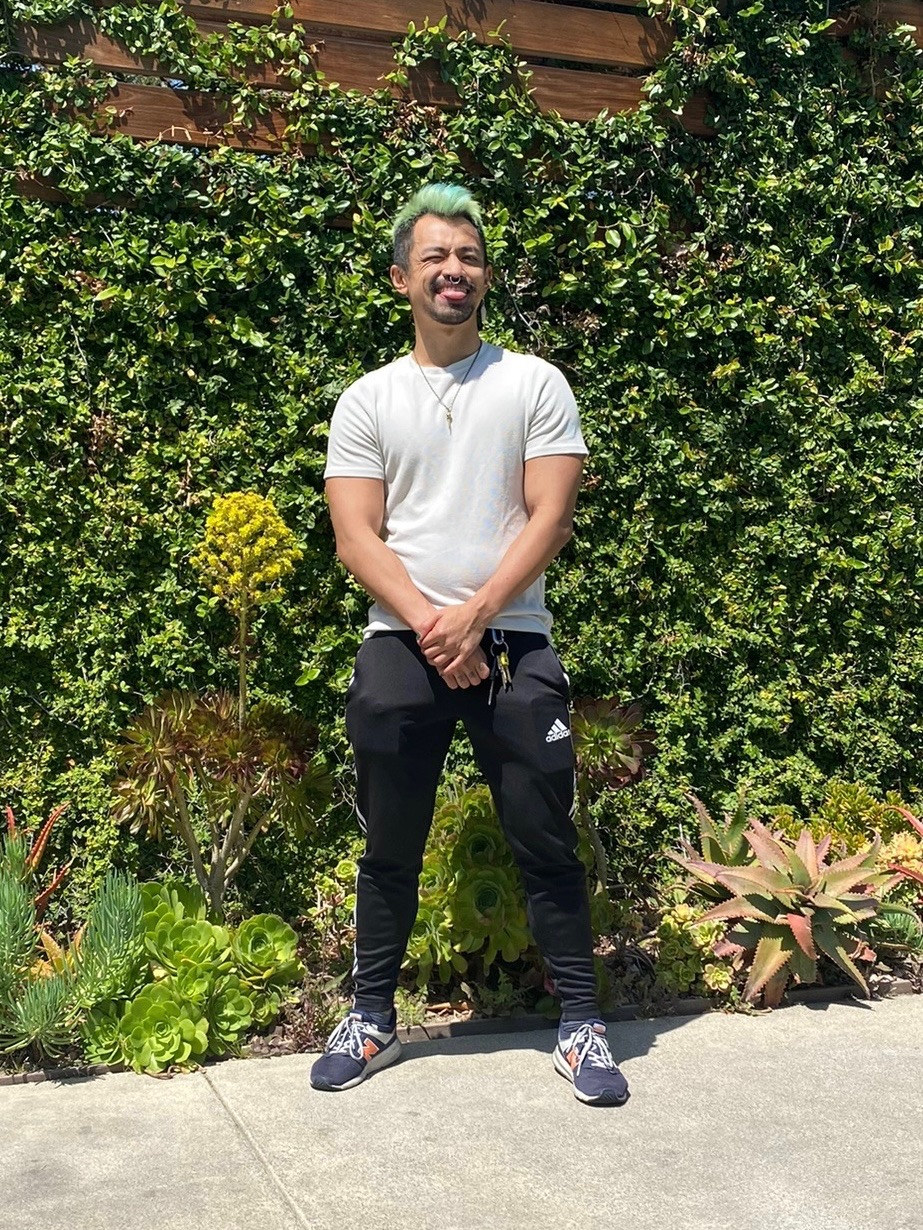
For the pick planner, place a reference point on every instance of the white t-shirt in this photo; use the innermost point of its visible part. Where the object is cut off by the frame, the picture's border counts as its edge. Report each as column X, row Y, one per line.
column 454, row 499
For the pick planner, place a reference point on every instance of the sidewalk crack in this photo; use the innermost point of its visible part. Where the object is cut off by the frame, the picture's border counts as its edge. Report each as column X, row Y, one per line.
column 264, row 1160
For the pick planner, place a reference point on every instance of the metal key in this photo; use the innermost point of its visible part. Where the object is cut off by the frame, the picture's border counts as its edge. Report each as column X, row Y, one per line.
column 503, row 661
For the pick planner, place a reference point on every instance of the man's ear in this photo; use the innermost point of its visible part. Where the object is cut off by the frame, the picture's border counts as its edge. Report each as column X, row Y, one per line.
column 398, row 279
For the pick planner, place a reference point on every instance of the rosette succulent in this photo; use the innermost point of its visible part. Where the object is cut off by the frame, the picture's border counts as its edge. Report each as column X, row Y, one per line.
column 161, row 1030
column 101, row 1034
column 230, row 1013
column 789, row 905
column 611, row 745
column 486, row 910
column 684, row 947
column 189, row 942
column 265, row 949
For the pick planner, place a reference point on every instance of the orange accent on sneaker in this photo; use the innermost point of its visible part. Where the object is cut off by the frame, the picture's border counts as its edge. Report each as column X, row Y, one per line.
column 369, row 1049
column 571, row 1058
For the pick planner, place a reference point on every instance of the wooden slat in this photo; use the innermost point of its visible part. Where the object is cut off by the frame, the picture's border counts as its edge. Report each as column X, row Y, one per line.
column 883, row 13
column 908, row 12
column 352, row 65
column 535, row 28
column 184, row 117
column 40, row 187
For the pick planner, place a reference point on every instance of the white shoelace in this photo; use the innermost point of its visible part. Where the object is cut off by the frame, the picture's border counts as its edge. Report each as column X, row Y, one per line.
column 347, row 1038
column 591, row 1046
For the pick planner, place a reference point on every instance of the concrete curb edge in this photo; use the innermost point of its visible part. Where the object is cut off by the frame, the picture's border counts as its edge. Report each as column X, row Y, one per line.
column 509, row 1025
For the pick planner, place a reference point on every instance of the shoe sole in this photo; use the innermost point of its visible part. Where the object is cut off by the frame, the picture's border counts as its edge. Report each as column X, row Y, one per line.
column 605, row 1099
column 389, row 1055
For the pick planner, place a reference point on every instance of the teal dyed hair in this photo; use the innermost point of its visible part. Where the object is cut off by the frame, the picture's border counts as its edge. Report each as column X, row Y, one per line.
column 443, row 200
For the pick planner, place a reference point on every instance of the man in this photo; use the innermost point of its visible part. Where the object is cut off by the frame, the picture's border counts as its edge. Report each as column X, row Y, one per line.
column 452, row 475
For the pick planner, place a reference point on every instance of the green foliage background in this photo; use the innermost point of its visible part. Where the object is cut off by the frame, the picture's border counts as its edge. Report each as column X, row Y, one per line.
column 740, row 317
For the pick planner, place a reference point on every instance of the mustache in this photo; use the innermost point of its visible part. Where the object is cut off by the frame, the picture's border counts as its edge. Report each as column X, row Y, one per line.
column 461, row 284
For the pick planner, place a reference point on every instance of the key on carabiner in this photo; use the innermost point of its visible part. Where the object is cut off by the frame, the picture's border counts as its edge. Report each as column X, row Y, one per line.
column 503, row 661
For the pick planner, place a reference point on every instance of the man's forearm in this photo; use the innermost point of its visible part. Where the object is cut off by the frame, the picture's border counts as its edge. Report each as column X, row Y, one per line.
column 379, row 571
column 526, row 558
column 382, row 574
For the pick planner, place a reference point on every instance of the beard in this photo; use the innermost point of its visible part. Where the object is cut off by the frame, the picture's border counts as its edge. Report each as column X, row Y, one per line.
column 450, row 313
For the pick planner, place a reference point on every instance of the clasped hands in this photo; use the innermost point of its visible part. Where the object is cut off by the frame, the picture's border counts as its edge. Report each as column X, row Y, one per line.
column 451, row 642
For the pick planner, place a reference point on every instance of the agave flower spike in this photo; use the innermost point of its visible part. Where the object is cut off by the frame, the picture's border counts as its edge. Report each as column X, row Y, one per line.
column 41, row 900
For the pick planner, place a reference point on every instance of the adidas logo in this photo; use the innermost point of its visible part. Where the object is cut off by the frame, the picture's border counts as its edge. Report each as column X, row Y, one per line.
column 558, row 731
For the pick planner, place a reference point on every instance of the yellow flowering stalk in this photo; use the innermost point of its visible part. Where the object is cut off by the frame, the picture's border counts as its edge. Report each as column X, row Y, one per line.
column 246, row 552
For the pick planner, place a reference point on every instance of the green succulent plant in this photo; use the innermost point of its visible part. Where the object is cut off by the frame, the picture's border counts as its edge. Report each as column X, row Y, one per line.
column 160, row 1030
column 897, row 927
column 471, row 898
column 170, row 899
column 266, row 949
column 788, row 905
column 611, row 745
column 110, row 961
column 486, row 912
column 42, row 1017
column 186, row 752
column 205, row 995
column 101, row 1034
column 684, row 948
column 189, row 942
column 230, row 1012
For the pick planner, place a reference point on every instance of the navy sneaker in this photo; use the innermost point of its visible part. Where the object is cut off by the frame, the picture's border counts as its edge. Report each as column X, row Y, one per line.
column 357, row 1047
column 582, row 1055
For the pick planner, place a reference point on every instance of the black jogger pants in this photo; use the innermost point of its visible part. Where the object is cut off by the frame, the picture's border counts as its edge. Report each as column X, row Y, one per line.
column 400, row 719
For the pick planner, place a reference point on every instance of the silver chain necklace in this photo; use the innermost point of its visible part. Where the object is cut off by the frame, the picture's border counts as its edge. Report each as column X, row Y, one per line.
column 448, row 409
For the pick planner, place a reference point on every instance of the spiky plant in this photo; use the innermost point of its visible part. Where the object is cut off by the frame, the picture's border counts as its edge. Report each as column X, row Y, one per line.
column 788, row 905
column 109, row 960
column 721, row 842
column 22, row 857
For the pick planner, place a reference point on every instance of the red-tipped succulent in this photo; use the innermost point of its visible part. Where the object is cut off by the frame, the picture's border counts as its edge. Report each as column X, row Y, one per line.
column 25, row 864
column 611, row 745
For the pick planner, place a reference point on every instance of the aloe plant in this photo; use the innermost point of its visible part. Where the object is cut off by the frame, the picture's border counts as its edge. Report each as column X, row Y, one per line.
column 23, row 862
column 901, row 867
column 788, row 905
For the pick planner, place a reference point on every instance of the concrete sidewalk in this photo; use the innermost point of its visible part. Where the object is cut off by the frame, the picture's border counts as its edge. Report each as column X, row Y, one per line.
column 806, row 1118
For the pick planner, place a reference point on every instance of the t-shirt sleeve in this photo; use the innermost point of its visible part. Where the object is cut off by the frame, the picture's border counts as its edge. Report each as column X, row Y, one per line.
column 554, row 425
column 353, row 447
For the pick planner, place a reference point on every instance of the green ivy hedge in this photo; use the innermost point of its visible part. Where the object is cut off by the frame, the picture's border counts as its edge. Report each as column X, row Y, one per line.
column 740, row 317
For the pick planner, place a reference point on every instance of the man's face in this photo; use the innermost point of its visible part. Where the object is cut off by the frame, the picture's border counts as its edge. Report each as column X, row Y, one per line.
column 446, row 276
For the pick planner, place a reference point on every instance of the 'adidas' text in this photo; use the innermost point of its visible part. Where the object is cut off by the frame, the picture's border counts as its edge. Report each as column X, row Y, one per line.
column 558, row 731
